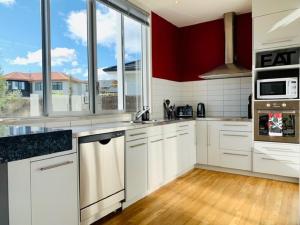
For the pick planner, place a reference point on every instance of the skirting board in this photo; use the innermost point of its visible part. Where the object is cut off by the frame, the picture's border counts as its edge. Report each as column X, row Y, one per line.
column 248, row 173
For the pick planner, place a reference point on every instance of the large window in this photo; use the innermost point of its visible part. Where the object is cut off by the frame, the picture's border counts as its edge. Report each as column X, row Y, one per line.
column 20, row 58
column 70, row 57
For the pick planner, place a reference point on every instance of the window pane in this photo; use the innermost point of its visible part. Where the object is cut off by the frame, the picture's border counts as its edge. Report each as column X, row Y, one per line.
column 109, row 56
column 69, row 65
column 133, row 61
column 20, row 58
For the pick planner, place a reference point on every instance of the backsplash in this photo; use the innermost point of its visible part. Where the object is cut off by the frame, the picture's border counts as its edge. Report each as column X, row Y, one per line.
column 223, row 97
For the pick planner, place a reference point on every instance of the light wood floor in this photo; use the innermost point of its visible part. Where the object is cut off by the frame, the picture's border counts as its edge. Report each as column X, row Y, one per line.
column 214, row 198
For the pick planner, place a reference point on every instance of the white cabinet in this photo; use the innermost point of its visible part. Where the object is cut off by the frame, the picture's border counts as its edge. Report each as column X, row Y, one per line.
column 277, row 30
column 54, row 190
column 264, row 7
column 235, row 140
column 155, row 162
column 136, row 170
column 171, row 156
column 276, row 158
column 201, row 132
column 213, row 153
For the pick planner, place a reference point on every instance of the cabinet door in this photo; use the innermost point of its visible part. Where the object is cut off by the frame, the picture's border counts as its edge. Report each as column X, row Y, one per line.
column 54, row 189
column 155, row 162
column 264, row 7
column 184, row 151
column 201, row 142
column 277, row 30
column 170, row 156
column 213, row 152
column 136, row 170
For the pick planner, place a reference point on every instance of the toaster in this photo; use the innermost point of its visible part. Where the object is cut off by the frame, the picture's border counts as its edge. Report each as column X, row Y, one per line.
column 184, row 111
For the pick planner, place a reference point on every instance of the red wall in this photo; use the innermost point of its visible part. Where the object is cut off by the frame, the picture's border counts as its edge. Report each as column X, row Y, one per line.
column 164, row 49
column 182, row 54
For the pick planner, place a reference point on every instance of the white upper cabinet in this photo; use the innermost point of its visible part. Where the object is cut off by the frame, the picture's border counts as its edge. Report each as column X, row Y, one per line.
column 277, row 30
column 264, row 7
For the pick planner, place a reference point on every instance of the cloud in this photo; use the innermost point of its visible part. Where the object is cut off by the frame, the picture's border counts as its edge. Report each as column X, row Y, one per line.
column 74, row 71
column 107, row 29
column 59, row 56
column 7, row 2
column 105, row 76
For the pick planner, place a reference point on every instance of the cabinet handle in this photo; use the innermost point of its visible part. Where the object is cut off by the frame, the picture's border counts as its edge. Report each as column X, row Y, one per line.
column 235, row 125
column 157, row 140
column 183, row 126
column 278, row 41
column 132, row 135
column 235, row 135
column 183, row 134
column 138, row 145
column 56, row 165
column 278, row 149
column 226, row 153
column 277, row 160
column 172, row 137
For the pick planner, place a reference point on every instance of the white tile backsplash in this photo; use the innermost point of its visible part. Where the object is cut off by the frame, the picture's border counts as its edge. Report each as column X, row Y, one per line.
column 222, row 97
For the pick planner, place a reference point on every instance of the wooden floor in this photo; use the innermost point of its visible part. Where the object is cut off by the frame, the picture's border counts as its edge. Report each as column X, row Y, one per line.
column 214, row 198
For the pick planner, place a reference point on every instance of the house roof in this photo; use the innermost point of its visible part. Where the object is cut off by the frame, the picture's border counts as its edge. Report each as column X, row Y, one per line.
column 130, row 66
column 33, row 77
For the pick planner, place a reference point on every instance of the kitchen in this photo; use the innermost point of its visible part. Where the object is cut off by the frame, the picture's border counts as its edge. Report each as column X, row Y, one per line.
column 157, row 112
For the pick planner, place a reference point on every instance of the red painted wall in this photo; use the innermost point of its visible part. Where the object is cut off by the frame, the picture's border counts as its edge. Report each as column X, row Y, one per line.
column 164, row 49
column 182, row 54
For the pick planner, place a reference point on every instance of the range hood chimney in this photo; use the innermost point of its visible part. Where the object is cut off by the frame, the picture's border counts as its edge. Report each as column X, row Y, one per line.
column 230, row 69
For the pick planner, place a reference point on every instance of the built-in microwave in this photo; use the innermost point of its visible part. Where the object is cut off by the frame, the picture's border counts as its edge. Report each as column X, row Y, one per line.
column 277, row 88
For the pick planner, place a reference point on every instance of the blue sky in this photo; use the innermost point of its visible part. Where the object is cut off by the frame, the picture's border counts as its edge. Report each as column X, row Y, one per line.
column 20, row 37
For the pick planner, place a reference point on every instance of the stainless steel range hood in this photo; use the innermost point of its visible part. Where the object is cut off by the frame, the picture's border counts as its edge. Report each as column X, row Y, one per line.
column 230, row 69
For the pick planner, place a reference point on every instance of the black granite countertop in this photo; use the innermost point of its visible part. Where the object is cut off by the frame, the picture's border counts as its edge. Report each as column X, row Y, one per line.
column 22, row 142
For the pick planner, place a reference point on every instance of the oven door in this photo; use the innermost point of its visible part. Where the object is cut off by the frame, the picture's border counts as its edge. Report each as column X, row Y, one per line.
column 276, row 125
column 272, row 89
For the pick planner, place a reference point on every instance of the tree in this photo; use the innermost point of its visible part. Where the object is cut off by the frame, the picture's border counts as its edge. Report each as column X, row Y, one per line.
column 8, row 99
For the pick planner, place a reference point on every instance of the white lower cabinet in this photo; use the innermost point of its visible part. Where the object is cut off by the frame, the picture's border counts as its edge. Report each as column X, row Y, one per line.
column 136, row 170
column 201, row 139
column 54, row 191
column 213, row 153
column 155, row 162
column 235, row 160
column 171, row 156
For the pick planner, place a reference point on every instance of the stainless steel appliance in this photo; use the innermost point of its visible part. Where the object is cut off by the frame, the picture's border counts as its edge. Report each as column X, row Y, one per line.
column 184, row 111
column 278, row 88
column 101, row 175
column 201, row 110
column 277, row 121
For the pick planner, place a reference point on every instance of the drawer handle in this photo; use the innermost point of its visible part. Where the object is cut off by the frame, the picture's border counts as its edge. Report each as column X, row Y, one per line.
column 157, row 140
column 135, row 146
column 235, row 125
column 278, row 149
column 277, row 160
column 183, row 134
column 183, row 126
column 133, row 135
column 235, row 135
column 226, row 153
column 56, row 165
column 172, row 137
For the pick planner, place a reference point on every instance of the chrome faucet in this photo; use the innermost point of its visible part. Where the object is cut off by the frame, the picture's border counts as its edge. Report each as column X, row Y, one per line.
column 140, row 113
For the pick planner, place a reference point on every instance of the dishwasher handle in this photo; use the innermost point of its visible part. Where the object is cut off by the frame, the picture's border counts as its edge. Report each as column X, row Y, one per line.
column 101, row 138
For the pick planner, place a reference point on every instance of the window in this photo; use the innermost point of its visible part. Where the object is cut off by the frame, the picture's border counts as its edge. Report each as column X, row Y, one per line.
column 57, row 86
column 36, row 80
column 38, row 86
column 20, row 54
column 69, row 56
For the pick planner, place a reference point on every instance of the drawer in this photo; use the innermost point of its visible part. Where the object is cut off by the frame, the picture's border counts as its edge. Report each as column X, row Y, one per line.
column 169, row 128
column 156, row 130
column 292, row 150
column 236, row 160
column 234, row 140
column 185, row 125
column 276, row 165
column 136, row 134
column 236, row 126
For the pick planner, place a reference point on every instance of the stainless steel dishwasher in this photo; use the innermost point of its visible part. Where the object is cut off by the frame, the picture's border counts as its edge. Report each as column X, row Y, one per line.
column 101, row 175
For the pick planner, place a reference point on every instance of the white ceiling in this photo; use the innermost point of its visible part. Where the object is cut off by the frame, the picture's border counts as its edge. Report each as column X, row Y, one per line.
column 187, row 12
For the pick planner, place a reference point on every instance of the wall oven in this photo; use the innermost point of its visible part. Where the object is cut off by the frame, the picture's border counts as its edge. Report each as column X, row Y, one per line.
column 277, row 121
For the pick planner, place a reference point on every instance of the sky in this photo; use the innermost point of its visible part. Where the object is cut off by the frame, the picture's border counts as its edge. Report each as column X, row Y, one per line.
column 20, row 37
